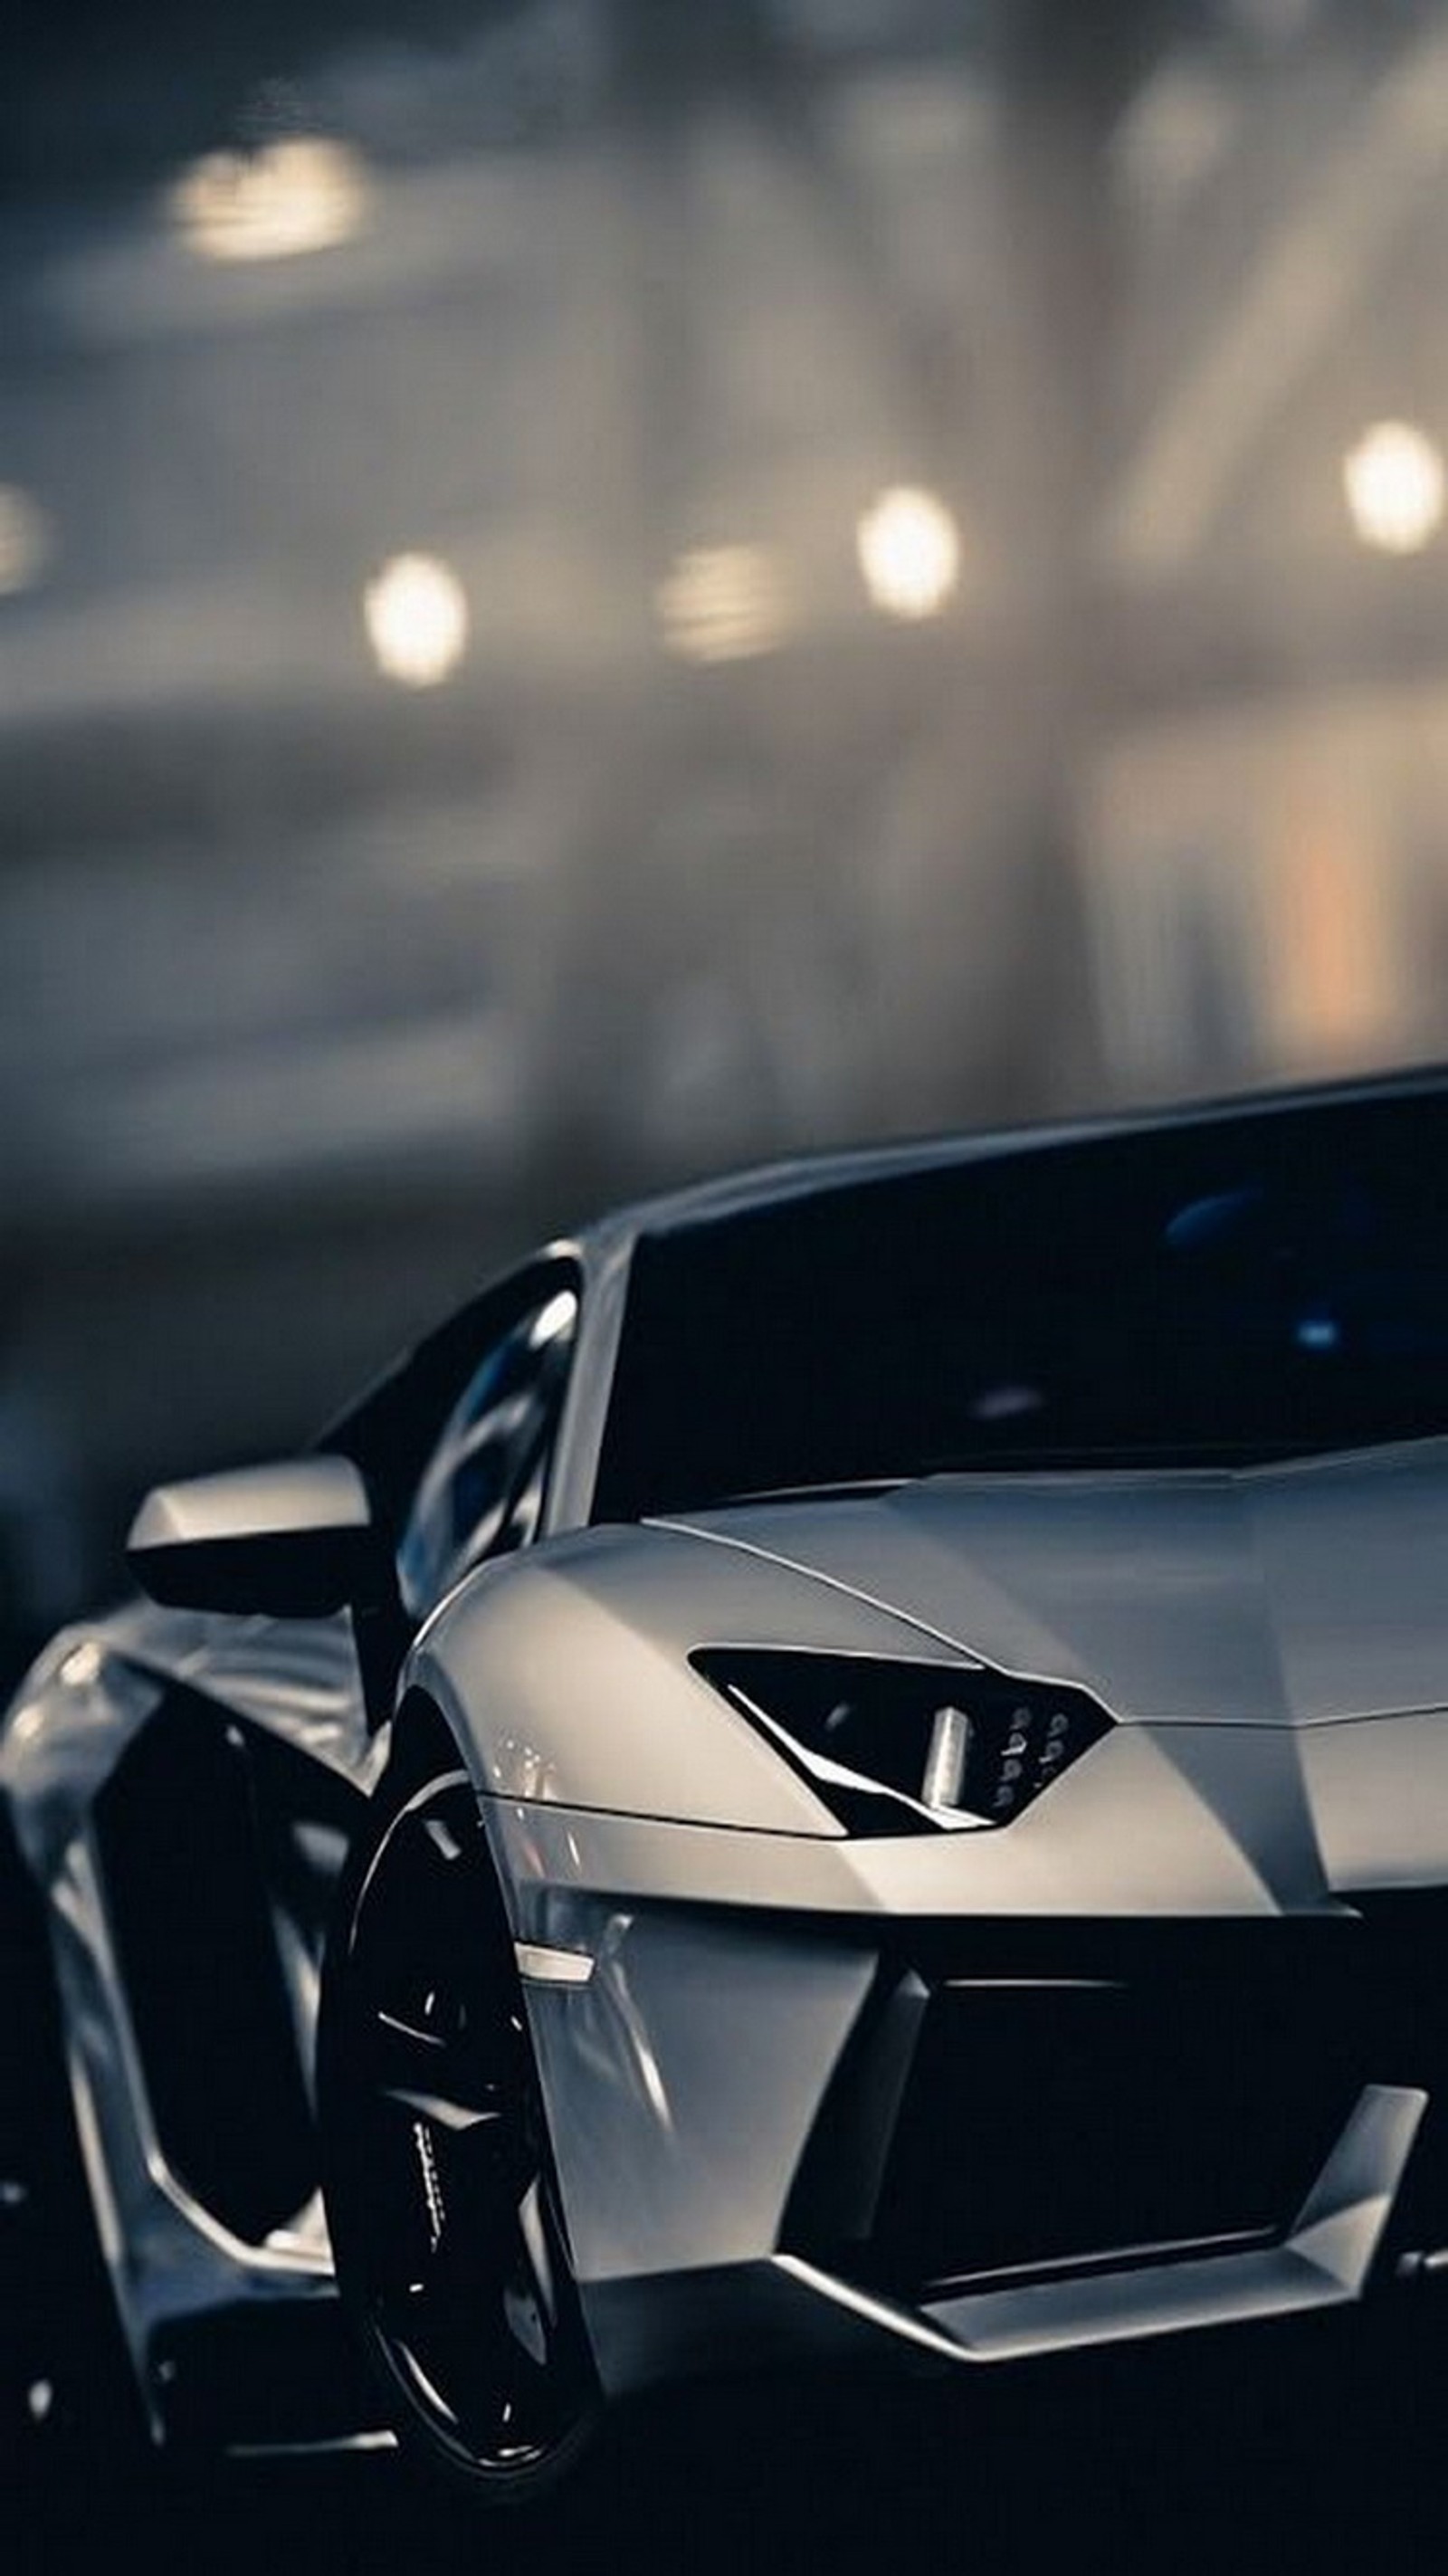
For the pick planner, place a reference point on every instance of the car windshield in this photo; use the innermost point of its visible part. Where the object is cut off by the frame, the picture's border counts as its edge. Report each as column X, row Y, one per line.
column 1245, row 1287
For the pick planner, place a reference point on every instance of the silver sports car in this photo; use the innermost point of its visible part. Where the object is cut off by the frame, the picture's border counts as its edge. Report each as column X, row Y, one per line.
column 847, row 1770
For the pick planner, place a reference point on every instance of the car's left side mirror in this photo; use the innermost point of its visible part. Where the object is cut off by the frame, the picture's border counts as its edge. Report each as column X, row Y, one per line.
column 294, row 1541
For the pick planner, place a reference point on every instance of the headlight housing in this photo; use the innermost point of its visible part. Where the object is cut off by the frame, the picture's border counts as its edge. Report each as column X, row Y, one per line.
column 894, row 1747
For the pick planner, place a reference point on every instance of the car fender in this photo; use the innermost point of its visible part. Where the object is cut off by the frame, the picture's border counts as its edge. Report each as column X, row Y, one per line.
column 565, row 1675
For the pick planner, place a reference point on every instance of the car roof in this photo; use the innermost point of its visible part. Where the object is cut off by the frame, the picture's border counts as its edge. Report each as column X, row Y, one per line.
column 799, row 1176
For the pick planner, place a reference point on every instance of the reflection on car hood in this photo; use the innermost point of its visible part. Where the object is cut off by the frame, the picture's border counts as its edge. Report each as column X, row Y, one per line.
column 1278, row 1595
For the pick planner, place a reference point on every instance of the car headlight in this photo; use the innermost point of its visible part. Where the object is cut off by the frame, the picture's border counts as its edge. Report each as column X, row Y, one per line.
column 908, row 1747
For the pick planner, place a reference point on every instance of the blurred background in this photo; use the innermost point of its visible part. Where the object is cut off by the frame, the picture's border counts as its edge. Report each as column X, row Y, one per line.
column 595, row 588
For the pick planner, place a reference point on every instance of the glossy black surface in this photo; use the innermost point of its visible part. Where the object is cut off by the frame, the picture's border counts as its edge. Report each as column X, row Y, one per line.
column 1235, row 1289
column 440, row 2194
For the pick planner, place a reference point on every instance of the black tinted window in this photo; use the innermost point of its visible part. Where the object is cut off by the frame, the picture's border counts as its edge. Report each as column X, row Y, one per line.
column 1243, row 1288
column 481, row 1491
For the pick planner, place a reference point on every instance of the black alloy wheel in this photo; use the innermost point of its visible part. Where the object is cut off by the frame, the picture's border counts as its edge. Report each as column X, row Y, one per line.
column 440, row 2193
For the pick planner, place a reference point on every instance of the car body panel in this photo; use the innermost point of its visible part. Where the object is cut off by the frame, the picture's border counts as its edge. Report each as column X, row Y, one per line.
column 733, row 1999
column 565, row 1673
column 173, row 2265
column 1292, row 1594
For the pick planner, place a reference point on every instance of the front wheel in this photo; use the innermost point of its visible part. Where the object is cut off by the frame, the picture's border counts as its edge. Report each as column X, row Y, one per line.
column 440, row 2192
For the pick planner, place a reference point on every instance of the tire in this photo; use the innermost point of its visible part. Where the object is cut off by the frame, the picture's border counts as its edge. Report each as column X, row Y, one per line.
column 441, row 2198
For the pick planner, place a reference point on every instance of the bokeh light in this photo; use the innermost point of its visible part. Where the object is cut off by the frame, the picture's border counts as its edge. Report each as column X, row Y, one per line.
column 723, row 604
column 303, row 192
column 416, row 615
column 1394, row 482
column 909, row 551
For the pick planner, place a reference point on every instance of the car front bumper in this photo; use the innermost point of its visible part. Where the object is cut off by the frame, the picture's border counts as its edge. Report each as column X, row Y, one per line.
column 805, row 2127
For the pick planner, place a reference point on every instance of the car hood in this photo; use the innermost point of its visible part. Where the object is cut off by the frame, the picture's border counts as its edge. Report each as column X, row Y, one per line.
column 1284, row 1595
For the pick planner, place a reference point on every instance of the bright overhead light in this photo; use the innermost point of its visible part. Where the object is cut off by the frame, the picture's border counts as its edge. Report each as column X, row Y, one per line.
column 909, row 550
column 723, row 604
column 416, row 615
column 1394, row 482
column 302, row 193
column 25, row 540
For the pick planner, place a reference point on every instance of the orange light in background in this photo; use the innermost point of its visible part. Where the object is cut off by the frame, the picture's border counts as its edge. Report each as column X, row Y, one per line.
column 416, row 616
column 302, row 193
column 1335, row 976
column 1394, row 484
column 723, row 604
column 26, row 541
column 909, row 552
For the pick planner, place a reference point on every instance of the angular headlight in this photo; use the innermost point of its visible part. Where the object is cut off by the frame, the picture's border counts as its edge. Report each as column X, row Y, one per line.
column 897, row 1748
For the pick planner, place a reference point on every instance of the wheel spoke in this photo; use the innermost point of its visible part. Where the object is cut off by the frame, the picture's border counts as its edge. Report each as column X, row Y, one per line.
column 533, row 2234
column 410, row 2032
column 442, row 2108
column 446, row 2063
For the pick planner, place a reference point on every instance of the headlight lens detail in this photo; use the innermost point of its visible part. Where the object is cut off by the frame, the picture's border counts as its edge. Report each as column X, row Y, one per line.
column 904, row 1747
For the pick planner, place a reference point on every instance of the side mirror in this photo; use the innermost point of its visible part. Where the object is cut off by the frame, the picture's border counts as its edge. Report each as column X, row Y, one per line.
column 294, row 1541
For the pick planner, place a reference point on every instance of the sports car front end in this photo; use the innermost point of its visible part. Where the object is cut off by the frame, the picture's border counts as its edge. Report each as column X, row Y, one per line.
column 1045, row 1960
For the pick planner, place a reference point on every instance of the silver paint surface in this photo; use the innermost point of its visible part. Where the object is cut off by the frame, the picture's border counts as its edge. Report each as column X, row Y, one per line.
column 1290, row 1594
column 1273, row 1647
